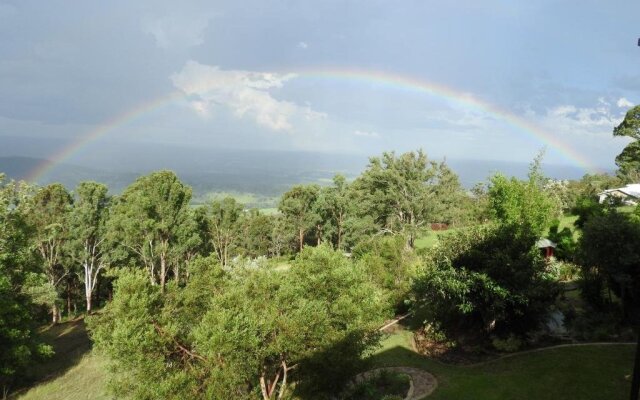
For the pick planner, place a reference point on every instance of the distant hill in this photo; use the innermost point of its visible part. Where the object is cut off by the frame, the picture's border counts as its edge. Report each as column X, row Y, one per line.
column 67, row 174
column 267, row 174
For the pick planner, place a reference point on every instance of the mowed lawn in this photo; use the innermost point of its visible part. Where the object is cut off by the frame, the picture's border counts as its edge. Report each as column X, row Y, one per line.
column 586, row 372
column 430, row 238
column 73, row 373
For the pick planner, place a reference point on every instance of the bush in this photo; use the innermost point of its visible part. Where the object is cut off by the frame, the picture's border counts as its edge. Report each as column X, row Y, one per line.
column 484, row 282
column 509, row 345
column 220, row 333
column 563, row 271
column 384, row 385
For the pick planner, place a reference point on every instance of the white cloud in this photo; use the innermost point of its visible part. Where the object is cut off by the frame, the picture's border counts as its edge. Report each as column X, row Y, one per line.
column 624, row 103
column 245, row 93
column 580, row 121
column 370, row 134
column 303, row 45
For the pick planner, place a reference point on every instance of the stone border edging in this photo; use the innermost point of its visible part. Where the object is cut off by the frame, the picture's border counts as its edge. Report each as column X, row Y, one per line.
column 421, row 382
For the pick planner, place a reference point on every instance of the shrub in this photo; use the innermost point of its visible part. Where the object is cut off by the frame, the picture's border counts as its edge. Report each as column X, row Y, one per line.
column 484, row 281
column 509, row 345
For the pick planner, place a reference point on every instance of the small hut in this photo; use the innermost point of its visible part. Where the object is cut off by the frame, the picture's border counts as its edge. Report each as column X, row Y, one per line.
column 547, row 247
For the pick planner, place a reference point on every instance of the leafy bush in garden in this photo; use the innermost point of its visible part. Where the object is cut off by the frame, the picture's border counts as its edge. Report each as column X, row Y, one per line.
column 240, row 333
column 484, row 281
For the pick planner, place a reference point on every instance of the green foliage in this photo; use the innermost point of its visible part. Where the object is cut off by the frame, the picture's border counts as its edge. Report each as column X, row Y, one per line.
column 383, row 385
column 147, row 224
column 224, row 222
column 402, row 194
column 564, row 240
column 19, row 268
column 257, row 234
column 610, row 257
column 524, row 204
column 297, row 207
column 222, row 333
column 334, row 207
column 482, row 281
column 587, row 208
column 388, row 264
column 452, row 206
column 510, row 344
column 87, row 233
column 630, row 125
column 628, row 161
column 49, row 210
column 563, row 271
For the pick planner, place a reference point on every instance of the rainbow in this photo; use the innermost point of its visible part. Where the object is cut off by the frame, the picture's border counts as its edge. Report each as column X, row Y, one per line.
column 379, row 78
column 465, row 100
column 119, row 120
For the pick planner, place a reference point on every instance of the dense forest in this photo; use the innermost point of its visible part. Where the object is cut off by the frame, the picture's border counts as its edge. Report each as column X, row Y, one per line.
column 220, row 301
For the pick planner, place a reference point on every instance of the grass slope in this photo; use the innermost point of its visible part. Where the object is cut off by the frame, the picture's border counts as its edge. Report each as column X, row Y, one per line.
column 84, row 381
column 73, row 373
column 578, row 373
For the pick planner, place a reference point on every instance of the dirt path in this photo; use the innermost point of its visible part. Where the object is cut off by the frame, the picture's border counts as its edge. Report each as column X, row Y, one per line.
column 422, row 382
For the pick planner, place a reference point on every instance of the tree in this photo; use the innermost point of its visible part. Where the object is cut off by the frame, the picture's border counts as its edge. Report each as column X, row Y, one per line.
column 239, row 334
column 87, row 229
column 628, row 161
column 20, row 347
column 146, row 221
column 484, row 281
column 224, row 221
column 523, row 204
column 50, row 207
column 397, row 192
column 451, row 205
column 257, row 234
column 297, row 206
column 390, row 265
column 193, row 239
column 609, row 243
column 333, row 206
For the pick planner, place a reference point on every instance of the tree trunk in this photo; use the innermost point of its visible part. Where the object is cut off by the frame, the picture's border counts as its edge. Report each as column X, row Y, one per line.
column 301, row 237
column 68, row 299
column 88, row 297
column 163, row 271
column 54, row 312
column 283, row 386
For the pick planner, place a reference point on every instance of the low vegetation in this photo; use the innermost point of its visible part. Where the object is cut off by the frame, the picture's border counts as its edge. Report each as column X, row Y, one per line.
column 217, row 301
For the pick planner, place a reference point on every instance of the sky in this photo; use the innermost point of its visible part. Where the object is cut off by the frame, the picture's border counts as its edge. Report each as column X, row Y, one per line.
column 491, row 80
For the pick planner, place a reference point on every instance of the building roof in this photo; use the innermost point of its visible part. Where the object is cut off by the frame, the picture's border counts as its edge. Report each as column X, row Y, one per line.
column 543, row 243
column 632, row 190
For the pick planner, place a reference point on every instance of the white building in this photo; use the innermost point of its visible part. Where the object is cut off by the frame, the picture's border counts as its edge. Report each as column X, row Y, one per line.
column 629, row 194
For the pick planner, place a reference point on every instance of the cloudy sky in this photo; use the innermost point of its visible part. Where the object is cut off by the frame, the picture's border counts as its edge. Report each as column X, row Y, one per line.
column 330, row 76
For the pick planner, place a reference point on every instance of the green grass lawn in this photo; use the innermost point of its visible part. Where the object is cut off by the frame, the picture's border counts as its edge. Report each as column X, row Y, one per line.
column 73, row 373
column 84, row 381
column 588, row 372
column 567, row 221
column 430, row 238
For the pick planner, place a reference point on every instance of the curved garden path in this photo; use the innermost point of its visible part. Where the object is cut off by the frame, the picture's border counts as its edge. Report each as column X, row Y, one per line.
column 422, row 382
